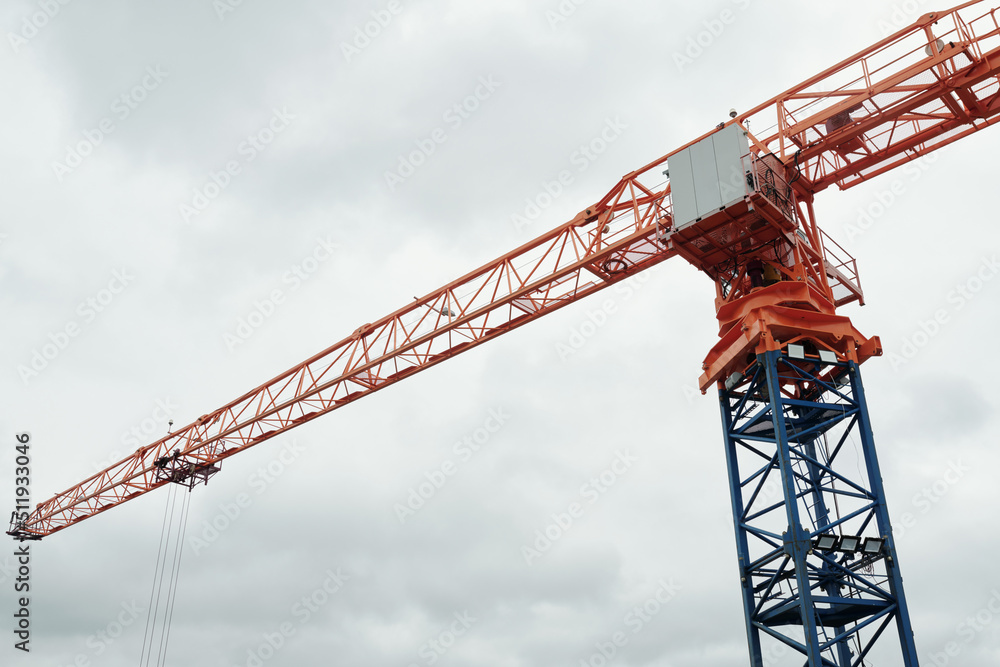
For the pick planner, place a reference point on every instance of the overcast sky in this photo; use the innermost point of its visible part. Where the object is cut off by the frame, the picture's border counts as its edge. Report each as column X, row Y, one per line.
column 119, row 115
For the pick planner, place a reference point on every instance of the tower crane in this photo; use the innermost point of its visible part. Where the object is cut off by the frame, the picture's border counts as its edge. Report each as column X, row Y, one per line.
column 818, row 568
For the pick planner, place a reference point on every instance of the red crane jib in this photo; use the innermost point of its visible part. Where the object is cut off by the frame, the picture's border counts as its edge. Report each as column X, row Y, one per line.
column 779, row 278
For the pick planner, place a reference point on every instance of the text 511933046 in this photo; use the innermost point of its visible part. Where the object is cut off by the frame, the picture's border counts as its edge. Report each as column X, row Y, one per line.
column 22, row 505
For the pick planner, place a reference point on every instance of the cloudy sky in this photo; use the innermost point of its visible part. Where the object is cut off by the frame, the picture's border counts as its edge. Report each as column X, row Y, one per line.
column 167, row 169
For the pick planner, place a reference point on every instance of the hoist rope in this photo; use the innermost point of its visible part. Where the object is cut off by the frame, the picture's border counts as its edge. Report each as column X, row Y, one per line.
column 156, row 570
column 164, row 590
column 175, row 573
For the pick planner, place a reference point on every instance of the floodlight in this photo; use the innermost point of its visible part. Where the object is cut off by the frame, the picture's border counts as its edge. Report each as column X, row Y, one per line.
column 733, row 380
column 873, row 546
column 849, row 543
column 828, row 356
column 796, row 351
column 826, row 542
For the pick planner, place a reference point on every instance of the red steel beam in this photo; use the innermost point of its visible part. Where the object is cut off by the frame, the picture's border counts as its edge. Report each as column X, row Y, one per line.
column 609, row 242
column 903, row 97
column 921, row 88
column 924, row 87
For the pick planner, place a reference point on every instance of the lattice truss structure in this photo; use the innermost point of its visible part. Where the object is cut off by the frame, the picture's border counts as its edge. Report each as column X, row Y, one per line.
column 818, row 565
column 817, row 562
column 907, row 95
column 795, row 420
column 608, row 242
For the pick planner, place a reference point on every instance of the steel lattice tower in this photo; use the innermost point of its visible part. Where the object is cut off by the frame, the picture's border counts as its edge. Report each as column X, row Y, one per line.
column 818, row 567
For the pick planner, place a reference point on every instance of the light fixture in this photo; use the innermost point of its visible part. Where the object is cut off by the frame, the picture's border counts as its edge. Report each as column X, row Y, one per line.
column 849, row 543
column 733, row 380
column 796, row 351
column 828, row 356
column 826, row 542
column 939, row 43
column 842, row 379
column 873, row 546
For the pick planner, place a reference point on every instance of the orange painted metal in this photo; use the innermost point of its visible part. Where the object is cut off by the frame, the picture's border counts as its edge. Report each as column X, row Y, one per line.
column 923, row 87
column 779, row 278
column 774, row 328
column 604, row 244
column 913, row 92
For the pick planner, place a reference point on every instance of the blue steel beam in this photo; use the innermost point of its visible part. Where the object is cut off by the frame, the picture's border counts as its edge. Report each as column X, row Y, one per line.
column 829, row 607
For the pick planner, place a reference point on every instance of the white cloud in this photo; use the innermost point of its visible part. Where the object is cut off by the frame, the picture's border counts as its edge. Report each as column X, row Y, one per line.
column 324, row 177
